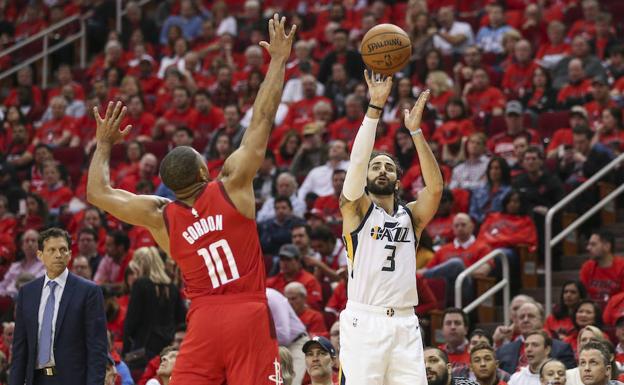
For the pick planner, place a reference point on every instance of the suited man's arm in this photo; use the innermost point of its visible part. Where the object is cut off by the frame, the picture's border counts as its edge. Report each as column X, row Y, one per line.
column 566, row 355
column 96, row 341
column 19, row 351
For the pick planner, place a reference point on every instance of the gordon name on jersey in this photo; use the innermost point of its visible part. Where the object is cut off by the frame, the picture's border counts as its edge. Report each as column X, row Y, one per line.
column 202, row 227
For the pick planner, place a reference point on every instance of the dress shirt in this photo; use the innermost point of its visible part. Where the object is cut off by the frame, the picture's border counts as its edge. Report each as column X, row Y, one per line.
column 61, row 280
column 319, row 180
column 7, row 285
column 288, row 326
column 268, row 208
column 524, row 377
column 470, row 174
column 464, row 245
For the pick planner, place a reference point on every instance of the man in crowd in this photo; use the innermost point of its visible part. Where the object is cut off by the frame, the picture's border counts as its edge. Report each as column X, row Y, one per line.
column 454, row 36
column 286, row 186
column 319, row 179
column 483, row 366
column 537, row 347
column 603, row 273
column 80, row 267
column 300, row 235
column 275, row 232
column 501, row 144
column 513, row 355
column 455, row 330
column 595, row 364
column 87, row 247
column 111, row 267
column 312, row 319
column 332, row 252
column 30, row 264
column 320, row 357
column 439, row 370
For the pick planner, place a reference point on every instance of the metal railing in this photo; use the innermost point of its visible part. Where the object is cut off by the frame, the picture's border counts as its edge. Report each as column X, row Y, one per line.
column 550, row 242
column 503, row 284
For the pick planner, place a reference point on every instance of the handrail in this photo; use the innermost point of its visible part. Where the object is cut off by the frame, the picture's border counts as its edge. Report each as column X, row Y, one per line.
column 550, row 242
column 503, row 284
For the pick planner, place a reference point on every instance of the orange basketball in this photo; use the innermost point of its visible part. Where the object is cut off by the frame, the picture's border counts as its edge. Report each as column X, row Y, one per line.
column 386, row 49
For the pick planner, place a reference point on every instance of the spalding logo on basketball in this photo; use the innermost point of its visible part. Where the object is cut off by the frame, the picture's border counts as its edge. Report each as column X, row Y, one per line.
column 386, row 49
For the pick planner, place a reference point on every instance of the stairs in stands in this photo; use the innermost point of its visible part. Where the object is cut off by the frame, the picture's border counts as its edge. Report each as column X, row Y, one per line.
column 569, row 270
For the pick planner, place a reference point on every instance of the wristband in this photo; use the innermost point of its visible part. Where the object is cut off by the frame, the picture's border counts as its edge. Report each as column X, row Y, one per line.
column 414, row 133
column 375, row 107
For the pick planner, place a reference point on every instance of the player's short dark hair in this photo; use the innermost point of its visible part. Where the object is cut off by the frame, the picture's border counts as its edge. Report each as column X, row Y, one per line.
column 481, row 346
column 389, row 155
column 441, row 353
column 179, row 168
column 322, row 233
column 583, row 129
column 595, row 345
column 120, row 238
column 53, row 232
column 283, row 198
column 481, row 333
column 456, row 310
column 88, row 230
column 605, row 236
column 545, row 336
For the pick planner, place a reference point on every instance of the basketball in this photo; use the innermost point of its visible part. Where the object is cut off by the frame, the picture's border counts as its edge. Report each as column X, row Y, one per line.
column 386, row 49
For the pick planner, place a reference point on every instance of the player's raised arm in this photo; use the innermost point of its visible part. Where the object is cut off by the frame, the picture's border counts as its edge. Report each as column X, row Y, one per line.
column 241, row 167
column 426, row 206
column 141, row 210
column 353, row 201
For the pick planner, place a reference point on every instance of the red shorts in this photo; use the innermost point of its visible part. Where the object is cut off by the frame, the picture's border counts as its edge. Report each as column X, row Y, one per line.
column 229, row 340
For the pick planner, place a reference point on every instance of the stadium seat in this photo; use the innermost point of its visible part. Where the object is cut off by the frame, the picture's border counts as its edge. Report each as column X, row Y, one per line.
column 73, row 159
column 158, row 148
column 549, row 122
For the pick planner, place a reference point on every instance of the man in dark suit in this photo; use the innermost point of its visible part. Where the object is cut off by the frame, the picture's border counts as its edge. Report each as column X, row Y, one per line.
column 511, row 355
column 60, row 324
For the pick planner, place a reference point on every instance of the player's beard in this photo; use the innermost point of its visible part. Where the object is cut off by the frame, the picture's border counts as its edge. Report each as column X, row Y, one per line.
column 388, row 189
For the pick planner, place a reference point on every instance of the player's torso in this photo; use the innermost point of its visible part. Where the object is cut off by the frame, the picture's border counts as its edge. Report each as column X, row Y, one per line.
column 215, row 246
column 382, row 259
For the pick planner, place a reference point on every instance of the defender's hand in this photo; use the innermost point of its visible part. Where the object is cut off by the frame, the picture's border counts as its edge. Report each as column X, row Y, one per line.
column 413, row 117
column 279, row 43
column 107, row 131
column 378, row 88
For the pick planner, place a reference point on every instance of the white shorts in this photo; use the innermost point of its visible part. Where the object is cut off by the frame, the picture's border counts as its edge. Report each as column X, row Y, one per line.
column 381, row 346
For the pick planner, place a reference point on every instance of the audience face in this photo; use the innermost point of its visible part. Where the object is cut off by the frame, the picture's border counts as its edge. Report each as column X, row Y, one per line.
column 581, row 143
column 529, row 318
column 334, row 336
column 30, row 243
column 475, row 146
column 182, row 138
column 514, row 204
column 289, row 266
column 571, row 295
column 92, row 219
column 483, row 364
column 619, row 332
column 300, row 238
column 81, row 267
column 338, row 182
column 592, row 368
column 282, row 211
column 522, row 51
column 308, row 85
column 580, row 48
column 135, row 107
column 462, row 227
column 477, row 339
column 180, row 99
column 480, row 80
column 353, row 109
column 178, row 337
column 496, row 16
column 167, row 363
column 586, row 336
column 472, row 57
column 515, row 124
column 532, row 163
column 521, row 144
column 553, row 373
column 57, row 106
column 285, row 185
column 51, row 174
column 585, row 315
column 454, row 329
column 112, row 250
column 319, row 363
column 575, row 71
column 231, row 116
column 148, row 166
column 596, row 247
column 438, row 372
column 7, row 333
column 322, row 247
column 535, row 350
column 337, row 150
column 202, row 103
column 296, row 299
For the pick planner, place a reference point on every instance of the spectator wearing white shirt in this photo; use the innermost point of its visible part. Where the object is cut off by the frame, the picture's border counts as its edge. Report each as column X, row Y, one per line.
column 319, row 180
column 537, row 347
column 286, row 185
column 471, row 173
column 453, row 37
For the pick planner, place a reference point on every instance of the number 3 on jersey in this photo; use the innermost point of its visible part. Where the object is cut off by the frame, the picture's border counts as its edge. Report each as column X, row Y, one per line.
column 390, row 258
column 214, row 263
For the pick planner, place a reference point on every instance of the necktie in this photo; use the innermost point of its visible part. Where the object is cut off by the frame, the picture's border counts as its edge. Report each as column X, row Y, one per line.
column 45, row 338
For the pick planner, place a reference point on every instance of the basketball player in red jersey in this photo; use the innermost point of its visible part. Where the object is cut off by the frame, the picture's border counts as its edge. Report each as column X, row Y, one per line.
column 210, row 231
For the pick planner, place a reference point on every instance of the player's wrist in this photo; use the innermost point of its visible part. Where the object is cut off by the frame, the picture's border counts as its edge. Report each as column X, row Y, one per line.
column 416, row 132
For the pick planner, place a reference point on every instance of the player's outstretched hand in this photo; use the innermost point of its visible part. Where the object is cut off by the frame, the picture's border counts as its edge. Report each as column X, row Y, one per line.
column 107, row 131
column 378, row 88
column 413, row 117
column 280, row 43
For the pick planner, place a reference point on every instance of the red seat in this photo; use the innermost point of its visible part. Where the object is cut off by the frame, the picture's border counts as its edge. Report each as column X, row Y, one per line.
column 495, row 125
column 549, row 122
column 200, row 144
column 159, row 148
column 72, row 158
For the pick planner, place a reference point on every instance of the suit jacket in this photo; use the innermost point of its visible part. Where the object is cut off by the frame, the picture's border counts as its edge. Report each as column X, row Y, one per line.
column 80, row 343
column 508, row 354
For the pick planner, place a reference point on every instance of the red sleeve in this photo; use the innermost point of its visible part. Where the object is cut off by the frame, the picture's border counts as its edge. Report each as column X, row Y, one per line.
column 338, row 300
column 438, row 257
column 584, row 273
column 317, row 327
column 314, row 293
column 426, row 298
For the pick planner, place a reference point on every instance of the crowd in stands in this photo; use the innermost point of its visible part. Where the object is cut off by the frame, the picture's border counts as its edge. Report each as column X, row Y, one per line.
column 525, row 106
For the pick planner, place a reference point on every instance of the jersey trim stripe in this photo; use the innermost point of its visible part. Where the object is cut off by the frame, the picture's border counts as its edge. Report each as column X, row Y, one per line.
column 413, row 224
column 351, row 243
column 226, row 195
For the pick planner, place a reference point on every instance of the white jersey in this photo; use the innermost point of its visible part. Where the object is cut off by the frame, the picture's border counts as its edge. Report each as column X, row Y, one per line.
column 382, row 259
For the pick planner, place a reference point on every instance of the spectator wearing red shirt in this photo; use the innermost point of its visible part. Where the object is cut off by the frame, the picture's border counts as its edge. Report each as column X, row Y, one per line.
column 601, row 99
column 604, row 40
column 328, row 206
column 148, row 170
column 563, row 136
column 301, row 112
column 559, row 323
column 222, row 93
column 482, row 98
column 455, row 329
column 64, row 78
column 578, row 89
column 603, row 274
column 182, row 113
column 7, row 339
column 112, row 57
column 346, row 128
column 142, row 122
column 291, row 270
column 614, row 311
column 609, row 130
column 312, row 319
column 333, row 255
column 208, row 118
column 24, row 79
column 54, row 191
column 549, row 53
column 59, row 130
column 440, row 229
column 586, row 26
column 518, row 76
column 501, row 144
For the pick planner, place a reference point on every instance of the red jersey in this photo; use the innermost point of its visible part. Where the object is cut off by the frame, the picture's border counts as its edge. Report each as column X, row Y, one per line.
column 314, row 322
column 561, row 137
column 603, row 282
column 559, row 327
column 344, row 129
column 216, row 247
column 485, row 101
column 614, row 309
column 507, row 230
column 469, row 255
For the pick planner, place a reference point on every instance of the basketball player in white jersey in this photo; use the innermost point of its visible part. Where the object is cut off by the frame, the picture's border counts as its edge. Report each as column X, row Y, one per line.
column 379, row 334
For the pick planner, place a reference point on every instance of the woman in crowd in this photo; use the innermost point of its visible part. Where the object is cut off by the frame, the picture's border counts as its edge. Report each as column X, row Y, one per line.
column 489, row 198
column 609, row 130
column 541, row 97
column 559, row 323
column 134, row 152
column 441, row 86
column 402, row 95
column 287, row 149
column 587, row 313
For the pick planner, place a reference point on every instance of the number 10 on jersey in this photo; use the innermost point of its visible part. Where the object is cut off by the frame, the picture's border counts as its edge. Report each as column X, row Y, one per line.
column 214, row 262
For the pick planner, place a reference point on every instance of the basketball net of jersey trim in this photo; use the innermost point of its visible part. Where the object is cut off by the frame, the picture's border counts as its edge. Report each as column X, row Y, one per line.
column 277, row 377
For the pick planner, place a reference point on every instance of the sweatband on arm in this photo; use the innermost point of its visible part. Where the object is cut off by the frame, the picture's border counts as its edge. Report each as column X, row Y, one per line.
column 355, row 180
